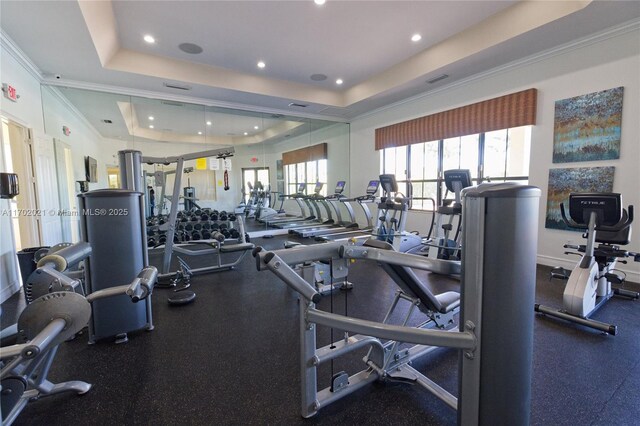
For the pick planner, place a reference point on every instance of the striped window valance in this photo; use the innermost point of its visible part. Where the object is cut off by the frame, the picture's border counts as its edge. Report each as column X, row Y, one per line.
column 302, row 155
column 513, row 110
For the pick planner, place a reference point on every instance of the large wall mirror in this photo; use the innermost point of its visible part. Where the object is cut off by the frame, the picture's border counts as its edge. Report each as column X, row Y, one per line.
column 274, row 153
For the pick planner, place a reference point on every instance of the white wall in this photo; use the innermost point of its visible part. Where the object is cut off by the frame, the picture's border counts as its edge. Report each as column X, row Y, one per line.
column 605, row 64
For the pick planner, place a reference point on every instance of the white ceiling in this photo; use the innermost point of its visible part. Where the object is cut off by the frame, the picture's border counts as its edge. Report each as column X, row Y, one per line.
column 98, row 44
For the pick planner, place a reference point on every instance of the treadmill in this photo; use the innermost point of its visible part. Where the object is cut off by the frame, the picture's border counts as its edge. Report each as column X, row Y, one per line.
column 297, row 197
column 315, row 218
column 339, row 225
column 363, row 201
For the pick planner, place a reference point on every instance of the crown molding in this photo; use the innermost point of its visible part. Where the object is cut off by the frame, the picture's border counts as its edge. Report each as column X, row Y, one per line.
column 615, row 31
column 55, row 92
column 12, row 49
column 149, row 94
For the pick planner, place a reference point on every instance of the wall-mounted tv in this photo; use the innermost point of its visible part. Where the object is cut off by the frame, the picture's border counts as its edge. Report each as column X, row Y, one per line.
column 91, row 168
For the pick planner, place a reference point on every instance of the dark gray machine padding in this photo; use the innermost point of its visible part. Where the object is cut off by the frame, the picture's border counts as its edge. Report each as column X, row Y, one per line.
column 237, row 247
column 116, row 259
column 409, row 282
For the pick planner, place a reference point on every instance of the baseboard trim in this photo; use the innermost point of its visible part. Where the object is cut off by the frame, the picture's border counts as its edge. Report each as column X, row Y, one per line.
column 632, row 276
column 9, row 290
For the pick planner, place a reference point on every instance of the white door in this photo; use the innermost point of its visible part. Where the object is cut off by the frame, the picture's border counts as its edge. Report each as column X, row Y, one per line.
column 47, row 189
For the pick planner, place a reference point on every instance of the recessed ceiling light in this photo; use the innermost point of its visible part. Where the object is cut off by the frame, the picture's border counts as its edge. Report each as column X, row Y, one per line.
column 256, row 127
column 319, row 2
column 339, row 81
column 151, row 126
column 149, row 39
column 261, row 64
column 416, row 37
column 151, row 118
column 208, row 123
column 246, row 133
column 199, row 133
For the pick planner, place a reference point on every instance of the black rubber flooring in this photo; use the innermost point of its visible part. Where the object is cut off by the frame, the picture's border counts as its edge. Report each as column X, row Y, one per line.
column 232, row 357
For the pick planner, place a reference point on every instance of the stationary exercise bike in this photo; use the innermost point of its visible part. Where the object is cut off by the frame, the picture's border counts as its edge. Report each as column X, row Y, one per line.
column 589, row 285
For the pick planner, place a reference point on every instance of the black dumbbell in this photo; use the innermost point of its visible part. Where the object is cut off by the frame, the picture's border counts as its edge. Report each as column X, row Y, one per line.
column 234, row 233
column 206, row 234
column 223, row 217
column 215, row 226
column 232, row 217
column 247, row 238
column 195, row 235
column 223, row 226
column 226, row 233
column 197, row 226
column 206, row 225
column 195, row 218
column 214, row 216
column 188, row 227
column 204, row 217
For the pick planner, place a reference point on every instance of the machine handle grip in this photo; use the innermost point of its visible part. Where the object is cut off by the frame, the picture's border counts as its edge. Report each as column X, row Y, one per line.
column 42, row 341
column 142, row 286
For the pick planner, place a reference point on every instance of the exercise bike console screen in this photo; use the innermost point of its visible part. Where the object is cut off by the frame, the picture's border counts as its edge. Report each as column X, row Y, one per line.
column 373, row 186
column 608, row 208
column 340, row 187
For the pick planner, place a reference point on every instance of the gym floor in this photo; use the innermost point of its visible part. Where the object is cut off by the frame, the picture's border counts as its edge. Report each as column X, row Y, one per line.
column 232, row 357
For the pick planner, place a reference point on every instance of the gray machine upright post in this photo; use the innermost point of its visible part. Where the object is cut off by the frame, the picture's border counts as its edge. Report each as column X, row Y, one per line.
column 114, row 225
column 131, row 173
column 500, row 245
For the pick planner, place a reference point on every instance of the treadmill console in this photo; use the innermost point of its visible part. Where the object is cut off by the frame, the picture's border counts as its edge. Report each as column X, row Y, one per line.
column 301, row 188
column 340, row 187
column 373, row 186
column 318, row 188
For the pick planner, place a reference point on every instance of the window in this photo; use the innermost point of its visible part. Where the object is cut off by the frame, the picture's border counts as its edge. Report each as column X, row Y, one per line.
column 309, row 173
column 497, row 156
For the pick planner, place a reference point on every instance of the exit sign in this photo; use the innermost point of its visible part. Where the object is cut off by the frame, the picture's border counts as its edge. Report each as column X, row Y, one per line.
column 10, row 92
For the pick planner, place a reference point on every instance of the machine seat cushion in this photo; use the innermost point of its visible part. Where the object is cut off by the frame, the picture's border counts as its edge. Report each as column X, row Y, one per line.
column 237, row 247
column 449, row 300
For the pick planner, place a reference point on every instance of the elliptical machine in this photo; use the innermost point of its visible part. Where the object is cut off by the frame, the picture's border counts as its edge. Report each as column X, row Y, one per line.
column 589, row 285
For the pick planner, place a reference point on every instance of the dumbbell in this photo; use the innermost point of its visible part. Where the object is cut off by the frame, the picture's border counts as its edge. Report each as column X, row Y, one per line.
column 223, row 226
column 195, row 235
column 214, row 216
column 226, row 233
column 206, row 225
column 181, row 227
column 162, row 239
column 184, row 219
column 151, row 242
column 195, row 218
column 198, row 212
column 215, row 226
column 232, row 217
column 234, row 233
column 188, row 227
column 204, row 217
column 223, row 216
column 161, row 221
column 217, row 236
column 206, row 234
column 197, row 226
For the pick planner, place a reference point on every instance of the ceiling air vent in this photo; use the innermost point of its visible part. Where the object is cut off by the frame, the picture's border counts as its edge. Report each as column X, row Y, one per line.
column 176, row 86
column 107, row 121
column 293, row 104
column 438, row 78
column 172, row 103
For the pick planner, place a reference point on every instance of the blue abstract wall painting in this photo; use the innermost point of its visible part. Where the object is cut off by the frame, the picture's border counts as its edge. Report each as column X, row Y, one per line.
column 587, row 127
column 562, row 182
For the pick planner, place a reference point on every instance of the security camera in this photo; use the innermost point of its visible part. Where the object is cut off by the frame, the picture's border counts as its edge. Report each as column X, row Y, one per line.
column 58, row 76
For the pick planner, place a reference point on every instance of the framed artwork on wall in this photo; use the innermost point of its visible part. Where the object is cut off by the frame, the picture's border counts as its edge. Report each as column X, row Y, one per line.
column 562, row 182
column 587, row 127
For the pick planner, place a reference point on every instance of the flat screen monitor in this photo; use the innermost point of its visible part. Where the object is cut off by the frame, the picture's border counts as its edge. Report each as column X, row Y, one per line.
column 373, row 186
column 389, row 183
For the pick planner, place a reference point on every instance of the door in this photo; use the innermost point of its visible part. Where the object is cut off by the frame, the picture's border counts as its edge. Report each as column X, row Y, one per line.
column 46, row 188
column 69, row 219
column 253, row 175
